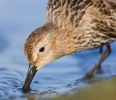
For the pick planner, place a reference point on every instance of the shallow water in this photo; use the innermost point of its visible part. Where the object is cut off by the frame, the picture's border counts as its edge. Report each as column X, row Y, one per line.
column 17, row 20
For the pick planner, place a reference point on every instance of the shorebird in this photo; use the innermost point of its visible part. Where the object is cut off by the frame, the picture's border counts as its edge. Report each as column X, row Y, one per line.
column 71, row 26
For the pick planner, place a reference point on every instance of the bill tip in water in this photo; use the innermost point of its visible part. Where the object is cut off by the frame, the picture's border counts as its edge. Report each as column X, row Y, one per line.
column 30, row 75
column 25, row 89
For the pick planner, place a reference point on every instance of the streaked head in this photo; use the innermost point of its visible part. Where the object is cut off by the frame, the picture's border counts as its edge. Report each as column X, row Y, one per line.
column 38, row 48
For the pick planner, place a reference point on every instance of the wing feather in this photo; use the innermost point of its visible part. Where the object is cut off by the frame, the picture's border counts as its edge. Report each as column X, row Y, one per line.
column 68, row 14
column 111, row 3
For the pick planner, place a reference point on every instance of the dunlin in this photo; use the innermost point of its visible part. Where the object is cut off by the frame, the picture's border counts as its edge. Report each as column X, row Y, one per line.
column 71, row 26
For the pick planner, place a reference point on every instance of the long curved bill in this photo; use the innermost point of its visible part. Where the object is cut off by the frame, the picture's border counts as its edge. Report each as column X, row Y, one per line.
column 30, row 75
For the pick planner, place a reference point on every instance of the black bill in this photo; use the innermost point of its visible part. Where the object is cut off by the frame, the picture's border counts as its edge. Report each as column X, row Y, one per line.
column 30, row 75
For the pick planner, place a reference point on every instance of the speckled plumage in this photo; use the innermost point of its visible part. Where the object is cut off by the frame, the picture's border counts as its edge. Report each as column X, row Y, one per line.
column 76, row 25
column 93, row 22
column 72, row 26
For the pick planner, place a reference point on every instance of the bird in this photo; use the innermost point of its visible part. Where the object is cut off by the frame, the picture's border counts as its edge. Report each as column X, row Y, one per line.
column 71, row 26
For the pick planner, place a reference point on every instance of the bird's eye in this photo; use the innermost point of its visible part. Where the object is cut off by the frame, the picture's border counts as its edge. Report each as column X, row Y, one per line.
column 42, row 49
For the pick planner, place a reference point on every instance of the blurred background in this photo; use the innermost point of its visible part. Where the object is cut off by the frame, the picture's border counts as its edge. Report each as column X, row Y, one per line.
column 18, row 18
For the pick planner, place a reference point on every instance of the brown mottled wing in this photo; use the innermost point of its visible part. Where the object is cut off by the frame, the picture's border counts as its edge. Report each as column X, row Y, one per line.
column 108, row 25
column 111, row 3
column 107, row 28
column 66, row 13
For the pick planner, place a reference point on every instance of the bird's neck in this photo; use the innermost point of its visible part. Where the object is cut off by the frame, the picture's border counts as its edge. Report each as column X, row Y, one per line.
column 63, row 42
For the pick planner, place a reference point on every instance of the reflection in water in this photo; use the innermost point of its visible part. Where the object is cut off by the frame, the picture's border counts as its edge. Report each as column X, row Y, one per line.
column 16, row 23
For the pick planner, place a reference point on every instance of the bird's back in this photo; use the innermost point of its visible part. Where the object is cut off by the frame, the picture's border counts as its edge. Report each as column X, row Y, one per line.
column 92, row 22
column 69, row 13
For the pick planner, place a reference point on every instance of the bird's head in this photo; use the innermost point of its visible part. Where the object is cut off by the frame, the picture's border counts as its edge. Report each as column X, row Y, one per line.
column 42, row 47
column 39, row 47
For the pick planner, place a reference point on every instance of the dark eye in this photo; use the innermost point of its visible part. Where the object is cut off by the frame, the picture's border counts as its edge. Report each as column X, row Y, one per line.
column 42, row 49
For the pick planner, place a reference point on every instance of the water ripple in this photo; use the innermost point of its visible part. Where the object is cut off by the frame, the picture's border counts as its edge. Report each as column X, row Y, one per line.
column 9, row 82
